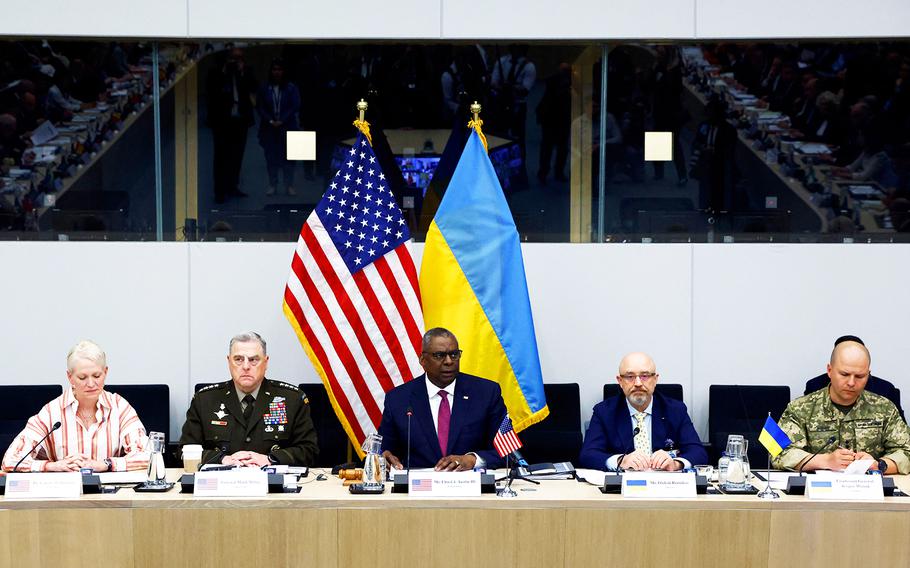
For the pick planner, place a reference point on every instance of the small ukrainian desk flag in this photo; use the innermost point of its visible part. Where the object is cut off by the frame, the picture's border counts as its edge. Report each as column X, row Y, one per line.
column 773, row 438
column 472, row 282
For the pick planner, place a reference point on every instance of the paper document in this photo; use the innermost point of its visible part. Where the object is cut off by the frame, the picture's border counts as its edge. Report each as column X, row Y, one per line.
column 858, row 467
column 592, row 476
column 123, row 477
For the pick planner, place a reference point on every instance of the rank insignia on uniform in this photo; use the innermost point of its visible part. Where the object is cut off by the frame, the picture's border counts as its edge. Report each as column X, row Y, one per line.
column 219, row 423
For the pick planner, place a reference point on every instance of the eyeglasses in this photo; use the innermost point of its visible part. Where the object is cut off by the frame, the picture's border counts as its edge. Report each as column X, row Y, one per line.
column 237, row 360
column 441, row 355
column 645, row 376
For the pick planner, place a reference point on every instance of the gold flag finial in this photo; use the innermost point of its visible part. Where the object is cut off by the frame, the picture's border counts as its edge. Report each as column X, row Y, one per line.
column 476, row 123
column 361, row 122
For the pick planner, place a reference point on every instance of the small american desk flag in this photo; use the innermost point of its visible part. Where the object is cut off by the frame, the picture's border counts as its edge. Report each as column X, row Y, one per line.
column 505, row 440
column 352, row 295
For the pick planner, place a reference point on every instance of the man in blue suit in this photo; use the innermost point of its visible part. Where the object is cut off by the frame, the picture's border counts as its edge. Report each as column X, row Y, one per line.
column 640, row 430
column 454, row 415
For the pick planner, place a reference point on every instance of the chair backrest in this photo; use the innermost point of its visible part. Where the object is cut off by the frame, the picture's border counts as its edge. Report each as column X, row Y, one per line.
column 742, row 409
column 152, row 404
column 558, row 437
column 333, row 440
column 18, row 403
column 670, row 390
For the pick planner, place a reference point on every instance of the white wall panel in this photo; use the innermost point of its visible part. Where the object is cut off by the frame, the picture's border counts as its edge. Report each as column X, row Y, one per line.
column 708, row 314
column 636, row 298
column 131, row 298
column 289, row 19
column 769, row 314
column 96, row 18
column 570, row 19
column 806, row 18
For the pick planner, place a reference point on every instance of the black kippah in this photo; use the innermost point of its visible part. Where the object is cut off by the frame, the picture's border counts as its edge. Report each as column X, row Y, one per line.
column 843, row 338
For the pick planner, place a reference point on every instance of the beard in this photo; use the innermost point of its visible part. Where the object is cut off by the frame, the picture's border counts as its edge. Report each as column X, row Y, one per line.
column 639, row 398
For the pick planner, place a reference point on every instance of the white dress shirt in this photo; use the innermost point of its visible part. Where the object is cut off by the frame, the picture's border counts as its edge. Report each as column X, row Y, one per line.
column 436, row 400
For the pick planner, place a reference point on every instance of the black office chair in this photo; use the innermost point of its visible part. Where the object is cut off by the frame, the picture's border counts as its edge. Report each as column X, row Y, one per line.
column 558, row 437
column 742, row 409
column 333, row 440
column 875, row 384
column 669, row 390
column 152, row 404
column 18, row 403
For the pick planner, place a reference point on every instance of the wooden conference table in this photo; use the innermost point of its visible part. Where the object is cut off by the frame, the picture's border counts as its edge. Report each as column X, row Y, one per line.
column 559, row 523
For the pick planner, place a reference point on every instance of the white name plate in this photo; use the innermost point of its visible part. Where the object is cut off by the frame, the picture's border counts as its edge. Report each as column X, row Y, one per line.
column 658, row 485
column 43, row 485
column 845, row 487
column 444, row 484
column 242, row 482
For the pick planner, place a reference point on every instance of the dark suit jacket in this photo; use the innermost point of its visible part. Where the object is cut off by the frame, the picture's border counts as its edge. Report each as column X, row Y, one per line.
column 215, row 420
column 610, row 432
column 477, row 412
column 874, row 384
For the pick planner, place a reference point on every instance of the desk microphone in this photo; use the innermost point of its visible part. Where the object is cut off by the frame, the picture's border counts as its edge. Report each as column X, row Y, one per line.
column 222, row 451
column 635, row 432
column 41, row 441
column 409, row 412
column 824, row 447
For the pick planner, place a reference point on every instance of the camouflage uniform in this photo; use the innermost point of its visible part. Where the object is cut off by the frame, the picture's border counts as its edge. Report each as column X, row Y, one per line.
column 873, row 425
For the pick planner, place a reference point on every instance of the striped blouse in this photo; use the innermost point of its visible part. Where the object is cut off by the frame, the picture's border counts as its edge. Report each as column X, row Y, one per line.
column 117, row 434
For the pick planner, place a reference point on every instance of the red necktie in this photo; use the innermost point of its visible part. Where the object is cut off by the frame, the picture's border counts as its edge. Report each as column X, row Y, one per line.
column 445, row 416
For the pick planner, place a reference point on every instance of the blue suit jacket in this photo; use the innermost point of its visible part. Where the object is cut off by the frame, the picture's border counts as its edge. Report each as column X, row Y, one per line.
column 477, row 412
column 610, row 432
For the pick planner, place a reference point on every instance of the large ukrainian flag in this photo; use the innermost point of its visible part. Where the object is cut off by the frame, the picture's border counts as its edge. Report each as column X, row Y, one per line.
column 472, row 281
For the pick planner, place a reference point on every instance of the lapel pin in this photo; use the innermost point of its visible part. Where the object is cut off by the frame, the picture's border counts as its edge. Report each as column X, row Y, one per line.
column 465, row 397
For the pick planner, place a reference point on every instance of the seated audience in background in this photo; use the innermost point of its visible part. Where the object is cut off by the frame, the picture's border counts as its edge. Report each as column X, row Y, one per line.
column 455, row 415
column 99, row 430
column 250, row 420
column 845, row 422
column 640, row 430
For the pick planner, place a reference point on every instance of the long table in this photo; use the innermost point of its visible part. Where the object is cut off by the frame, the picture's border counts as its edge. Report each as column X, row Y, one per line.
column 559, row 523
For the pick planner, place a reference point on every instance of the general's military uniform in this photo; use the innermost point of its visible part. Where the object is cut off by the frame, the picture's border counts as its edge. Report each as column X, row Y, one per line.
column 873, row 425
column 279, row 427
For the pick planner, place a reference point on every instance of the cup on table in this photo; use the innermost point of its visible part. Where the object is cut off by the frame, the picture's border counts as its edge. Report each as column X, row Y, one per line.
column 706, row 470
column 192, row 456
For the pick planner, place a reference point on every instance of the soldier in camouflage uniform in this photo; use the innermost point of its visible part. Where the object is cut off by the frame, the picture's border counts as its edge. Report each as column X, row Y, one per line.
column 845, row 418
column 251, row 420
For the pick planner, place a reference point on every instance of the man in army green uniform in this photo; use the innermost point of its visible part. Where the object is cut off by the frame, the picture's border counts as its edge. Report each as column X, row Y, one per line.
column 251, row 420
column 845, row 418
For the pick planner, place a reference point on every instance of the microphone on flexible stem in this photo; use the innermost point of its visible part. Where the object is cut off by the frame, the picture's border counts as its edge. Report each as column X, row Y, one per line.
column 217, row 456
column 409, row 412
column 41, row 441
column 824, row 447
column 635, row 432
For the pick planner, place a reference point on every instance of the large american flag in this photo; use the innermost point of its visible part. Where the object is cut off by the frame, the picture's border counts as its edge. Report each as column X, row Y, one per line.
column 505, row 441
column 352, row 295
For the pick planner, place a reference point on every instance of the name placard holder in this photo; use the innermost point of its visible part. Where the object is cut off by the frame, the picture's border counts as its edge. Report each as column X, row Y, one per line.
column 845, row 488
column 44, row 485
column 658, row 485
column 242, row 482
column 444, row 484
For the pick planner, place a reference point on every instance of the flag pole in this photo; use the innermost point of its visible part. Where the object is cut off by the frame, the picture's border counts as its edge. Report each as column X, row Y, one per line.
column 767, row 492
